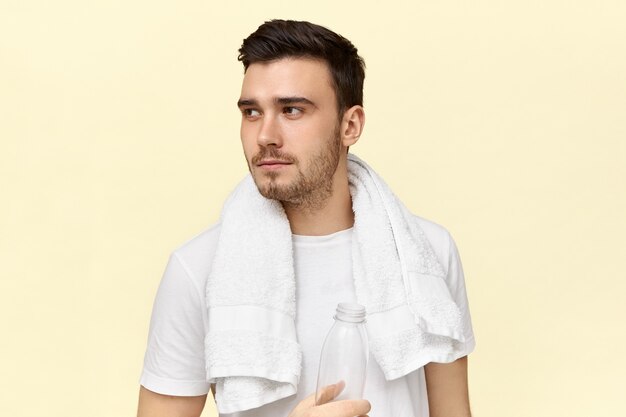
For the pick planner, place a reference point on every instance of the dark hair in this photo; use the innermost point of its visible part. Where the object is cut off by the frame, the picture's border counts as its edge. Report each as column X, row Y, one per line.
column 278, row 39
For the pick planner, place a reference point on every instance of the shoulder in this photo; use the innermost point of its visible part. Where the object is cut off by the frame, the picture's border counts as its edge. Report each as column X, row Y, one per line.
column 436, row 234
column 439, row 238
column 196, row 254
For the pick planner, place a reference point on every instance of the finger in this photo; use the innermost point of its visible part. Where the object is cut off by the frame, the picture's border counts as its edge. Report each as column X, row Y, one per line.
column 305, row 404
column 344, row 408
column 339, row 386
column 327, row 393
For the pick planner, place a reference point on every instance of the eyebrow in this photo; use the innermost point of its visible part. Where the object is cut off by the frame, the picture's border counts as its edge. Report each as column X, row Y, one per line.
column 278, row 100
column 293, row 100
column 246, row 102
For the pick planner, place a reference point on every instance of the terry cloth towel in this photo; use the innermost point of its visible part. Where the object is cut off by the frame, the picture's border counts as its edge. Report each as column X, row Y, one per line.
column 252, row 353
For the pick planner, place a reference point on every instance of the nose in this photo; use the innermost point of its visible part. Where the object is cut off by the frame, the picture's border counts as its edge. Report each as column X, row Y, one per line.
column 269, row 134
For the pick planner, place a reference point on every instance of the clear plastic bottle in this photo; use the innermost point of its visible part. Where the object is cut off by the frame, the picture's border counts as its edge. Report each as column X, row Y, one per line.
column 345, row 353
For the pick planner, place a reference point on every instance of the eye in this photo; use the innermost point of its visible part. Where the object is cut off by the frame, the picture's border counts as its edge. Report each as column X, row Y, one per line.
column 292, row 111
column 250, row 113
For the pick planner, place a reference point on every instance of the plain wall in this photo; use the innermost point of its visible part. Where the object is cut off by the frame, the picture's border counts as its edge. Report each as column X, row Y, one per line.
column 504, row 121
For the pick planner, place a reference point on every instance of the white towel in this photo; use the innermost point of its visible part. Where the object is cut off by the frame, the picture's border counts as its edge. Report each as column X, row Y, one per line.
column 252, row 353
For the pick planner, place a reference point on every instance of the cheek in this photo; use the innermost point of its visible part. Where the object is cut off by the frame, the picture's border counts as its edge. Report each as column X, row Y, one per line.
column 302, row 135
column 308, row 138
column 247, row 141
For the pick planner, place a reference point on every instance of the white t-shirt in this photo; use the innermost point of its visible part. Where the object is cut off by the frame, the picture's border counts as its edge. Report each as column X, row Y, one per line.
column 174, row 362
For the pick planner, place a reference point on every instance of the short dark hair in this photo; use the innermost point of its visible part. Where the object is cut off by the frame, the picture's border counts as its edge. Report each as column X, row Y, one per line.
column 278, row 39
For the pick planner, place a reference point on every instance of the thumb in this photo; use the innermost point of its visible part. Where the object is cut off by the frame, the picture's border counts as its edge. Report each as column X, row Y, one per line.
column 329, row 393
column 326, row 394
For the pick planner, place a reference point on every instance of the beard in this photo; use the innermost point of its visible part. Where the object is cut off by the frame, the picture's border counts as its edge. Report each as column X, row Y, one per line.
column 313, row 184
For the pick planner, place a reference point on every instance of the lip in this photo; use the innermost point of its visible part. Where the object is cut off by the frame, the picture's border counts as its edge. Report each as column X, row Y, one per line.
column 272, row 164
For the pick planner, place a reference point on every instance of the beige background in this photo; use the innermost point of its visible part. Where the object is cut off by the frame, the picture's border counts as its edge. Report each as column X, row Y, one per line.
column 504, row 121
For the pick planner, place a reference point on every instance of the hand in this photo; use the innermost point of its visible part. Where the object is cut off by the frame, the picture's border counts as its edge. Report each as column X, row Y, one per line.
column 325, row 408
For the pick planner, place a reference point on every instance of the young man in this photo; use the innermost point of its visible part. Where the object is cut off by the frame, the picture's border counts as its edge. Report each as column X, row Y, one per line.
column 244, row 307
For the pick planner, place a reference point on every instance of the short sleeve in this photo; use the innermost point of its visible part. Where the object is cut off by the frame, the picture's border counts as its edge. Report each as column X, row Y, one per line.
column 174, row 360
column 455, row 281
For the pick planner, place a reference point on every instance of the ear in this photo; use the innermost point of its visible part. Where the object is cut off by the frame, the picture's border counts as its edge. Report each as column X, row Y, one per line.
column 352, row 125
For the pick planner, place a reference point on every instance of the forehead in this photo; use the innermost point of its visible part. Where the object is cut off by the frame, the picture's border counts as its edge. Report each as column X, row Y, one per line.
column 286, row 77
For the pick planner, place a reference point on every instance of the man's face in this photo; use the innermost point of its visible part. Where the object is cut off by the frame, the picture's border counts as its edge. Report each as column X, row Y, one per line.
column 290, row 130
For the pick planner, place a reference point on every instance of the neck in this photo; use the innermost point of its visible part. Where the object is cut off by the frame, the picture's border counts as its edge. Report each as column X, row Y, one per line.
column 329, row 216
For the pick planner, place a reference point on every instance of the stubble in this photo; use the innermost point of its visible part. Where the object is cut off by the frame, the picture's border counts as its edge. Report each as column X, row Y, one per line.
column 313, row 185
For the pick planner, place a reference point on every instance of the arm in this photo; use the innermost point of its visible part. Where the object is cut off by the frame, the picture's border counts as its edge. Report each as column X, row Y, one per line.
column 152, row 404
column 446, row 384
column 173, row 380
